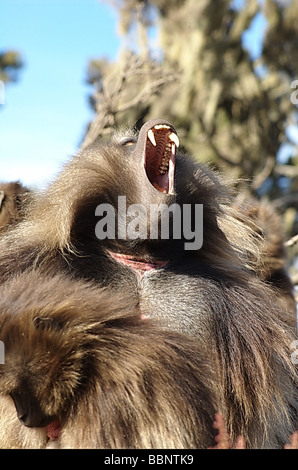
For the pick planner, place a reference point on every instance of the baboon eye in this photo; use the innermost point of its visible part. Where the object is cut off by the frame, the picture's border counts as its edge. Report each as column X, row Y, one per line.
column 128, row 142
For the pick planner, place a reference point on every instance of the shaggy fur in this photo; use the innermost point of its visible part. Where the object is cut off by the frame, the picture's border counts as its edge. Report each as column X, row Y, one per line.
column 213, row 294
column 110, row 378
column 13, row 200
column 271, row 264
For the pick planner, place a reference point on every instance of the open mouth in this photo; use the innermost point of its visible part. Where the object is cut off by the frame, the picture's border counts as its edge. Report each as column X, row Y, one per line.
column 138, row 264
column 159, row 161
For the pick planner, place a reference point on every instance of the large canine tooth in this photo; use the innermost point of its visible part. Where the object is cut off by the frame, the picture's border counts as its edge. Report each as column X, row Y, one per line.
column 174, row 138
column 171, row 177
column 151, row 137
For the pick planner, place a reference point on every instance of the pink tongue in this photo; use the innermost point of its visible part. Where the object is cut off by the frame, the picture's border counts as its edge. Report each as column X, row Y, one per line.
column 54, row 430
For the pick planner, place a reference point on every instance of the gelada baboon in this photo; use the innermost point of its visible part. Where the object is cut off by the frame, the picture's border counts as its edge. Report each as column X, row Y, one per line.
column 206, row 290
column 13, row 199
column 92, row 373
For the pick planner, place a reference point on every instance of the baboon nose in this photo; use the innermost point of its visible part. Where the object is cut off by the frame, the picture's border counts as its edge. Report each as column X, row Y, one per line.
column 19, row 404
column 23, row 417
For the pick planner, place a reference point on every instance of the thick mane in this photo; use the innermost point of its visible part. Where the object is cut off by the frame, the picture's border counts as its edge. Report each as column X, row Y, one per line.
column 148, row 336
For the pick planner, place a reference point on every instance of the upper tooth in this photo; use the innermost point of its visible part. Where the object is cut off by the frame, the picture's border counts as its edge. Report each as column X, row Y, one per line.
column 161, row 126
column 174, row 138
column 151, row 137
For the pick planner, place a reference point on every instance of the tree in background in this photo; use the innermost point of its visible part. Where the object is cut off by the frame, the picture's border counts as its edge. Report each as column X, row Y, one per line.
column 10, row 63
column 188, row 61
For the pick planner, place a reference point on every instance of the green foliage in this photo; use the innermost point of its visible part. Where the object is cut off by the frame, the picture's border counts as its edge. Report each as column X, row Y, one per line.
column 10, row 63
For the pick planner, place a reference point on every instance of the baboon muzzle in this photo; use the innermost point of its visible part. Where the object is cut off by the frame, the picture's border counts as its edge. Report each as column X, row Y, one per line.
column 158, row 142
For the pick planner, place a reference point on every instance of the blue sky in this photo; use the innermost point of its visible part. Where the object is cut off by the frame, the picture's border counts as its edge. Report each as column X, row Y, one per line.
column 46, row 111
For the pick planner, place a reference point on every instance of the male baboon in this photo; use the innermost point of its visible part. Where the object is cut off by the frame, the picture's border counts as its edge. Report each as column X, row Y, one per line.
column 13, row 199
column 209, row 292
column 79, row 361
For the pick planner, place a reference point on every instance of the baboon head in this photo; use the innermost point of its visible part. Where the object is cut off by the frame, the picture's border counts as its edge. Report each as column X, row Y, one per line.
column 40, row 381
column 48, row 342
column 139, row 173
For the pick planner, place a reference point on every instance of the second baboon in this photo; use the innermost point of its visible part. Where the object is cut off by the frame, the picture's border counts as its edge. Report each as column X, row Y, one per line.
column 92, row 373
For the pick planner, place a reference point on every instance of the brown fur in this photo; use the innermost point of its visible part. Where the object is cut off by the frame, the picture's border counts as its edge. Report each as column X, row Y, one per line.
column 213, row 294
column 13, row 199
column 271, row 262
column 112, row 379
